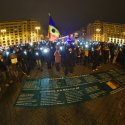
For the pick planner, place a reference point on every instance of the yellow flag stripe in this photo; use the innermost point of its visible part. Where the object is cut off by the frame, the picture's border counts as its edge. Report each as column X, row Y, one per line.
column 54, row 31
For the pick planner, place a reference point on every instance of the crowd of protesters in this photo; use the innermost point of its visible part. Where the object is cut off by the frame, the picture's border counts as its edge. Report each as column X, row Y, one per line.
column 22, row 59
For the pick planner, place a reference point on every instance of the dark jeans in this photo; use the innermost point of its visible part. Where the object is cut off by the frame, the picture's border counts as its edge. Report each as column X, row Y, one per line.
column 49, row 65
column 3, row 75
column 26, row 67
column 57, row 67
column 68, row 68
column 86, row 60
column 95, row 63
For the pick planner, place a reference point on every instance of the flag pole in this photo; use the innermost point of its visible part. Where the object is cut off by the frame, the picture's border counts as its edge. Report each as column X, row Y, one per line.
column 49, row 14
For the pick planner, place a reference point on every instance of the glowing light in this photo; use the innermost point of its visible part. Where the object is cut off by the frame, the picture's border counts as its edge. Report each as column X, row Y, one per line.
column 92, row 49
column 37, row 53
column 37, row 28
column 41, row 48
column 61, row 48
column 45, row 50
column 120, row 45
column 31, row 44
column 64, row 42
column 7, row 53
column 57, row 43
column 1, row 49
column 98, row 30
column 86, row 46
column 25, row 52
column 14, row 51
column 3, row 30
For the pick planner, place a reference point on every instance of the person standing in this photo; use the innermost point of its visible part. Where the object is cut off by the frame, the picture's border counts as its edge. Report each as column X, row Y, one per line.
column 14, row 67
column 123, row 53
column 69, row 61
column 38, row 59
column 116, row 51
column 57, row 59
column 106, row 54
column 48, row 58
column 3, row 71
column 95, row 59
column 86, row 54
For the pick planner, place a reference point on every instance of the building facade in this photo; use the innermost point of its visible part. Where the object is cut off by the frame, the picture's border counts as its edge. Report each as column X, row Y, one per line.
column 106, row 32
column 19, row 32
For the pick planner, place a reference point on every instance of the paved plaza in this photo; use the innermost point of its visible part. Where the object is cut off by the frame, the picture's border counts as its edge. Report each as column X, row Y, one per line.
column 105, row 110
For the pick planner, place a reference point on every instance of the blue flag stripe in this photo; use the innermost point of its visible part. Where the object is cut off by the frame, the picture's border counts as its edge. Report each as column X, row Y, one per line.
column 51, row 22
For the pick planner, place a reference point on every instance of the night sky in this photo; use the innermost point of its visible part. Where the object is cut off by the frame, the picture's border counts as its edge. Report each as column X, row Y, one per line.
column 69, row 15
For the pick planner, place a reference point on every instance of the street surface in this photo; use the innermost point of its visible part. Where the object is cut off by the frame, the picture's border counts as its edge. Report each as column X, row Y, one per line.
column 106, row 110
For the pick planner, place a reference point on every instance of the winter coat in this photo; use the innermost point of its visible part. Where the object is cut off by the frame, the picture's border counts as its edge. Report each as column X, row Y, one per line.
column 57, row 57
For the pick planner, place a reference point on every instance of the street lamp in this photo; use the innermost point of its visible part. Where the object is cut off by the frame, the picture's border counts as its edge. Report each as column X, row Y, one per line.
column 98, row 30
column 37, row 28
column 3, row 30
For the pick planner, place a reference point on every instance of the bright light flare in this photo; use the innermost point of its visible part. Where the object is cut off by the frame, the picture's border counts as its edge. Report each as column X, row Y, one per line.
column 86, row 46
column 31, row 44
column 41, row 48
column 61, row 48
column 45, row 50
column 7, row 53
column 37, row 53
column 80, row 43
column 25, row 52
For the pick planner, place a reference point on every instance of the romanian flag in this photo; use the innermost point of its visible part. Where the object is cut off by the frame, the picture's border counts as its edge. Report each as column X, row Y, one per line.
column 53, row 32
